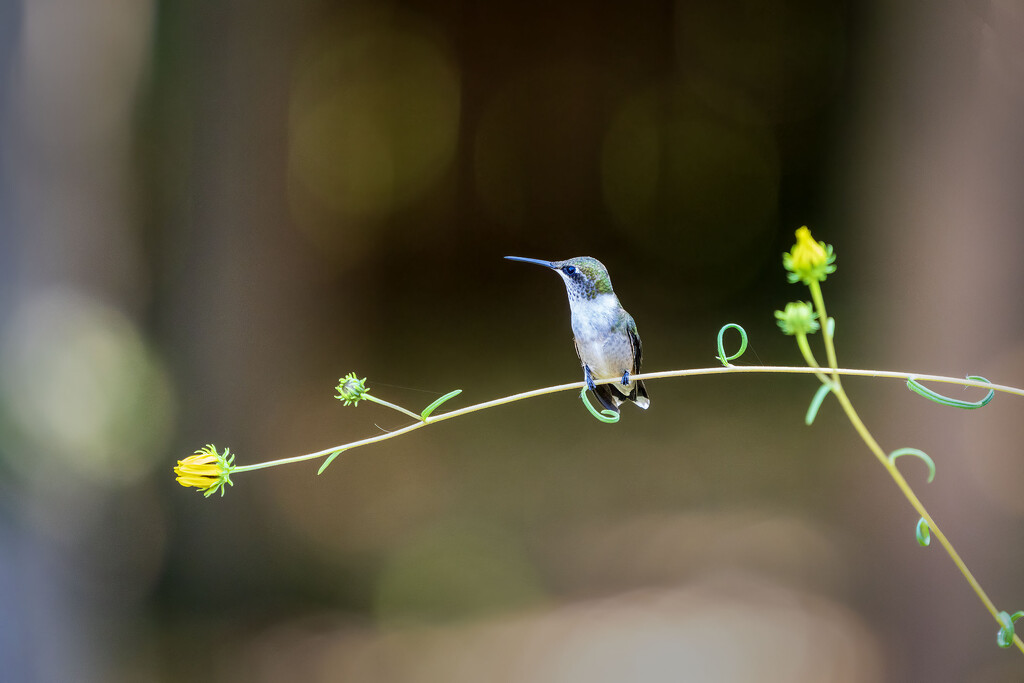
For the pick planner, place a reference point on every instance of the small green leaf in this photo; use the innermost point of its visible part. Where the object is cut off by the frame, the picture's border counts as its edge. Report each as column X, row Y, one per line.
column 606, row 416
column 721, row 346
column 329, row 460
column 919, row 388
column 433, row 406
column 915, row 452
column 819, row 396
column 924, row 534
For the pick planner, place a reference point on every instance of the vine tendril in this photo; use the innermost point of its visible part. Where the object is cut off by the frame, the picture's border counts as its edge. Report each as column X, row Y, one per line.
column 924, row 533
column 606, row 416
column 721, row 346
column 919, row 388
column 920, row 454
column 1005, row 635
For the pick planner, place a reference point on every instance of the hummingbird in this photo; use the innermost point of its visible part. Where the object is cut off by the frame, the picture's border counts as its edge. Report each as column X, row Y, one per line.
column 605, row 335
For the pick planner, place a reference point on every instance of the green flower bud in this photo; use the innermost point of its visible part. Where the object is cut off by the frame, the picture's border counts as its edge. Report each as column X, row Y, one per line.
column 351, row 390
column 798, row 318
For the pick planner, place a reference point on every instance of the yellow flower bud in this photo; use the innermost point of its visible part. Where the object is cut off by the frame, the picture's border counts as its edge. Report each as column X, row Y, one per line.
column 808, row 260
column 207, row 470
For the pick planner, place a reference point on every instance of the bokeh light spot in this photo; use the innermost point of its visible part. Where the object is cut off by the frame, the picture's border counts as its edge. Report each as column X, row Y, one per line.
column 374, row 119
column 81, row 391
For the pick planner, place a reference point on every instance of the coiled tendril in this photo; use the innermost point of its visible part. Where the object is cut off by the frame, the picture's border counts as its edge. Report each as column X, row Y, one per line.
column 606, row 416
column 919, row 388
column 1005, row 635
column 721, row 346
column 924, row 532
column 918, row 453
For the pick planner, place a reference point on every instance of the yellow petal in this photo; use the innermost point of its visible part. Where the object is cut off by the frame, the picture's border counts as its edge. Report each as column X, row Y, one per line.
column 198, row 482
column 199, row 459
column 199, row 470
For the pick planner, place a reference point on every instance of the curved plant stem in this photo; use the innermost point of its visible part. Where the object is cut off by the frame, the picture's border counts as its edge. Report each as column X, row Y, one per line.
column 915, row 502
column 889, row 464
column 576, row 386
column 388, row 404
column 833, row 379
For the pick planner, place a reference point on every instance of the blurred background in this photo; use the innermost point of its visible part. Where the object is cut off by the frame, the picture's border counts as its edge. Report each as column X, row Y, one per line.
column 210, row 211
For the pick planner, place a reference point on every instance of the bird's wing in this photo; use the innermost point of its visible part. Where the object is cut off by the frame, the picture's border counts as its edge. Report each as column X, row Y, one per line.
column 634, row 341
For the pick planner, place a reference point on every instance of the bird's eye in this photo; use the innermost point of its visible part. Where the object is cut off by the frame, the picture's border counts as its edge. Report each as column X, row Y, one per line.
column 569, row 270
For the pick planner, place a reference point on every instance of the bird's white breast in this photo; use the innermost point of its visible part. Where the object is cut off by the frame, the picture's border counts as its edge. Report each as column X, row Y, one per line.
column 601, row 338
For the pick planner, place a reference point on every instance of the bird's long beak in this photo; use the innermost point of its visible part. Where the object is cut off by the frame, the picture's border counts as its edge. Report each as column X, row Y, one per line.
column 549, row 264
